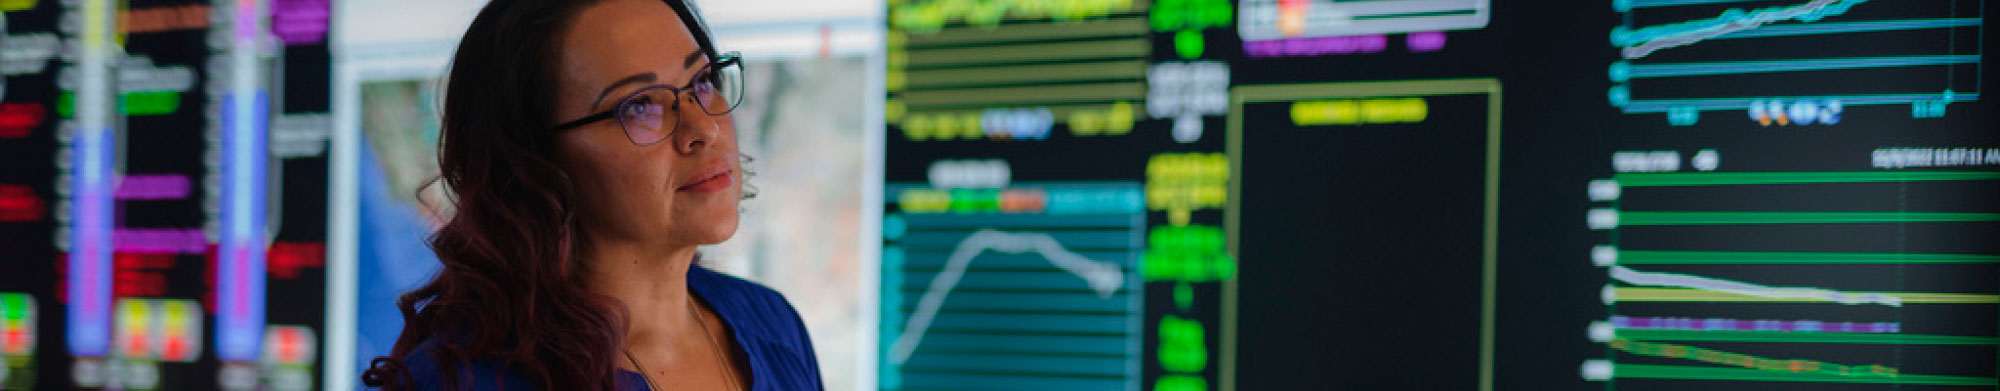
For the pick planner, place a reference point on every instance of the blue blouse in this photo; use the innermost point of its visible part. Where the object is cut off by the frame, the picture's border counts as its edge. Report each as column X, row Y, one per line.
column 766, row 329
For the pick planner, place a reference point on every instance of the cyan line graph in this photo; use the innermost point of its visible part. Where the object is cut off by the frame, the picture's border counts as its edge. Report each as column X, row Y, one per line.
column 1104, row 277
column 1834, row 19
column 1645, row 41
column 1852, row 27
column 1014, row 300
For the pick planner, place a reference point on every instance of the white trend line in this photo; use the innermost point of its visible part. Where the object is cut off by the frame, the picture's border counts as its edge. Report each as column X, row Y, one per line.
column 1756, row 20
column 1719, row 285
column 1104, row 277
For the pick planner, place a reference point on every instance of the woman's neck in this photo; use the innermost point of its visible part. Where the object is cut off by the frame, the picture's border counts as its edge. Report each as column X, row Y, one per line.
column 652, row 283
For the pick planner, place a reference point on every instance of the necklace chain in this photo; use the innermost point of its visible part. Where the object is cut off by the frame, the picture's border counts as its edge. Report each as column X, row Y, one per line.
column 724, row 364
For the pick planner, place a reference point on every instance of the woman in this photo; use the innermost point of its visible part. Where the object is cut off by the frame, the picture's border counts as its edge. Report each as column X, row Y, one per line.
column 589, row 150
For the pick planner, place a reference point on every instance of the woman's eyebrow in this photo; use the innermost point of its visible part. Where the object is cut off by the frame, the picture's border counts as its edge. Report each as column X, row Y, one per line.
column 636, row 78
column 691, row 57
column 643, row 78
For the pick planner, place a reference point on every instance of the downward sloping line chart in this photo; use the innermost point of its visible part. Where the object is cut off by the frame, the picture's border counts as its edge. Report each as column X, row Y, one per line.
column 1728, row 279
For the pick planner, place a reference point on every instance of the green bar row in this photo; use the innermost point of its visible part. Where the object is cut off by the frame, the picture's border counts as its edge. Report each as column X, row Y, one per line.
column 1729, row 218
column 1658, row 179
column 1643, row 257
column 134, row 103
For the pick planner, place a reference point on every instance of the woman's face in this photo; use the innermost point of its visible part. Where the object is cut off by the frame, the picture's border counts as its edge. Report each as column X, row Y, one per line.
column 681, row 191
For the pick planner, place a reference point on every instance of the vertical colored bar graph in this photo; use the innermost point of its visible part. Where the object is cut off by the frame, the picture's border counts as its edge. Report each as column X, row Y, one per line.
column 89, row 285
column 17, row 324
column 179, row 322
column 91, row 178
column 240, row 256
column 290, row 345
column 138, row 249
column 158, row 330
column 239, row 299
column 135, row 335
column 289, row 354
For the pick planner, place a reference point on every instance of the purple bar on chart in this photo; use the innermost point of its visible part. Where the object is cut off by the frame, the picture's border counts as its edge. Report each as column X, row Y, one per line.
column 1719, row 324
column 89, row 263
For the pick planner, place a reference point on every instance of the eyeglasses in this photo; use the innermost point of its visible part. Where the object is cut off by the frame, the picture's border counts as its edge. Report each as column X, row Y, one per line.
column 653, row 112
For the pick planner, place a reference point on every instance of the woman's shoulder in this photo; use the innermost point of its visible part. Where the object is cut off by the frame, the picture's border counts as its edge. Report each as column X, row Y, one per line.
column 772, row 331
column 756, row 309
column 427, row 371
column 726, row 292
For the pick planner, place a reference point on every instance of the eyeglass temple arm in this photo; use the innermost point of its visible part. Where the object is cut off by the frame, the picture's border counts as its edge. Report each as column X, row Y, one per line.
column 583, row 121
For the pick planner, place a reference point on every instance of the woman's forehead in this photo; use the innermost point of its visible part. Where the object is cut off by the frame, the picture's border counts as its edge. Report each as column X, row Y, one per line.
column 618, row 38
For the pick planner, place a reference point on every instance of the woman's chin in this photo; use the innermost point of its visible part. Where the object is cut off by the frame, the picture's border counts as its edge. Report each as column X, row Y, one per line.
column 723, row 232
column 711, row 228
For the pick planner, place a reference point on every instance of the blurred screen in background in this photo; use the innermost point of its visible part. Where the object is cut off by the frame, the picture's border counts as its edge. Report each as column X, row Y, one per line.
column 399, row 203
column 165, row 181
column 1165, row 195
column 804, row 132
column 1439, row 194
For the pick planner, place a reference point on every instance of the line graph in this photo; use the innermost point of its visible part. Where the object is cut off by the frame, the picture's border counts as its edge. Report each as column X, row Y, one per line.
column 1635, row 277
column 1103, row 277
column 1803, row 337
column 1721, row 270
column 1648, row 40
column 1045, row 294
column 1798, row 64
column 1655, row 257
column 1748, row 361
column 1686, row 295
column 1648, row 371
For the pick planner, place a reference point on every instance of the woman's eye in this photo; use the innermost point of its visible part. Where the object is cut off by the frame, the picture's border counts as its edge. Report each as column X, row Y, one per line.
column 639, row 106
column 704, row 83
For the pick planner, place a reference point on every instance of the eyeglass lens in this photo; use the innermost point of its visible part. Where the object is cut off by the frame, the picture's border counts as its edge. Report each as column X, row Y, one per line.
column 652, row 114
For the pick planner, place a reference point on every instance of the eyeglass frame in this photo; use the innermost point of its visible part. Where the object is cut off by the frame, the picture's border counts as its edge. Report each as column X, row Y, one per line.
column 709, row 75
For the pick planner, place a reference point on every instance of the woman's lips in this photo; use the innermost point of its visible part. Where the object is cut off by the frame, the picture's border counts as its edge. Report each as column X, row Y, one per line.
column 714, row 182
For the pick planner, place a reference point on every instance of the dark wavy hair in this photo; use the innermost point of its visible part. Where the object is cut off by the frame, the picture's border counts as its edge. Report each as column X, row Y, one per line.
column 509, row 290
